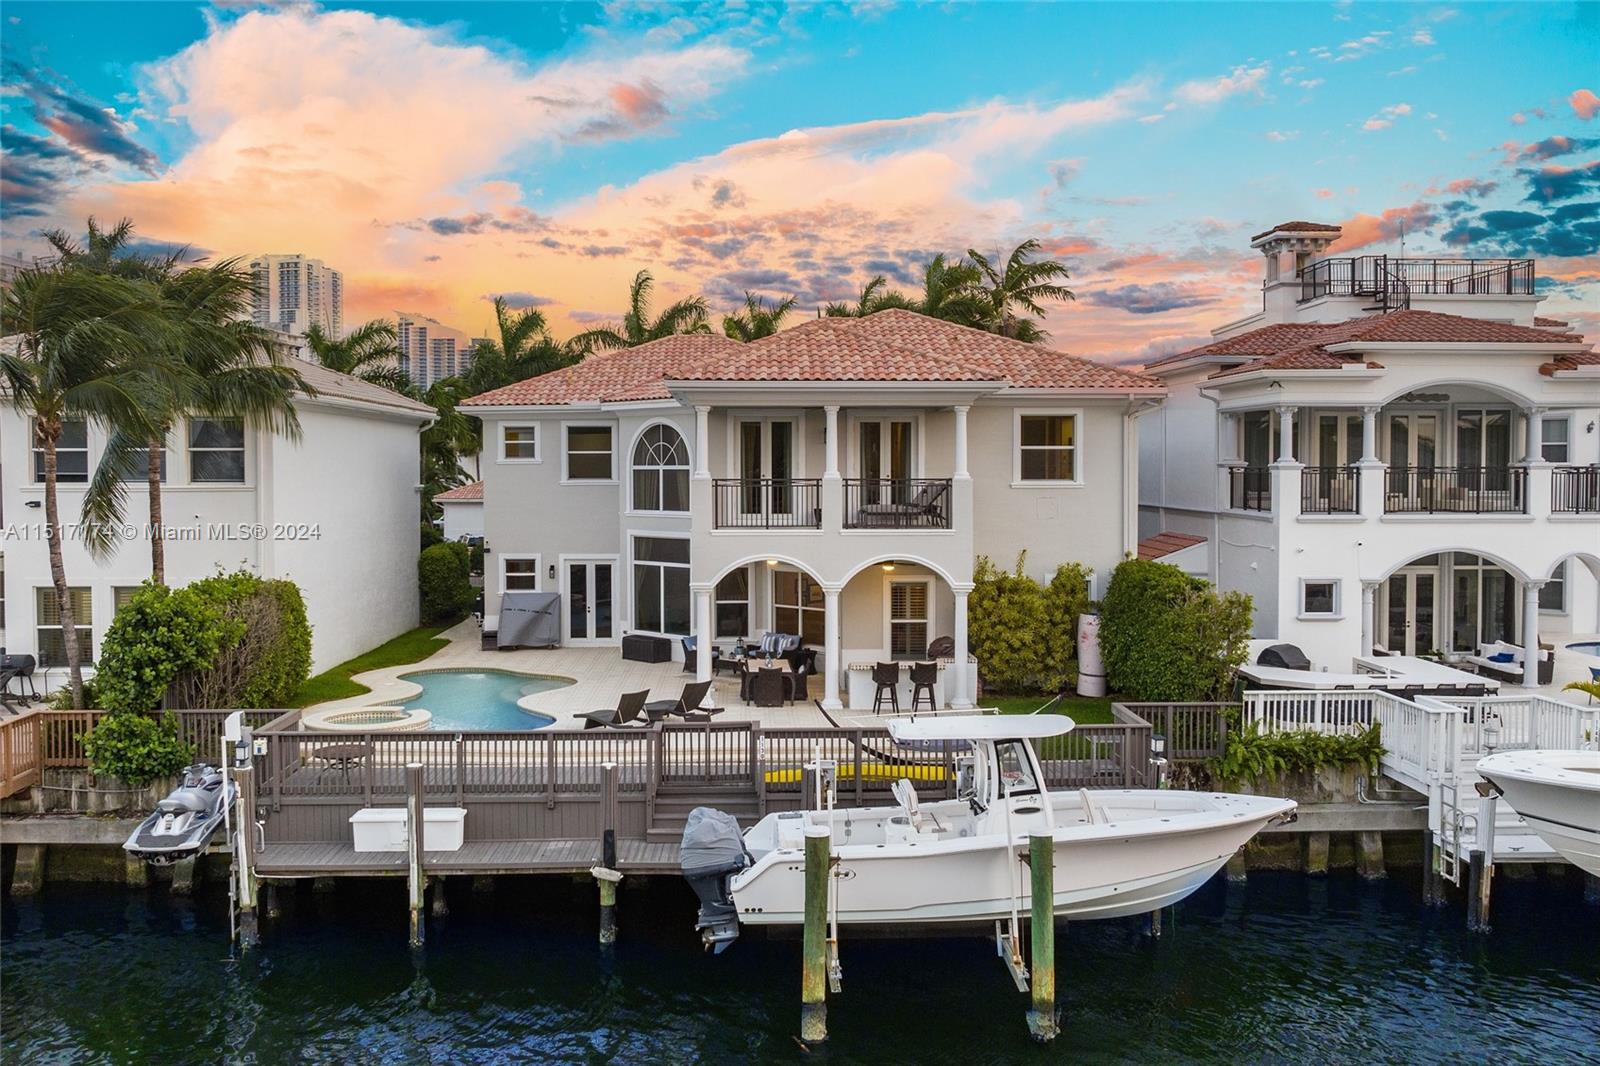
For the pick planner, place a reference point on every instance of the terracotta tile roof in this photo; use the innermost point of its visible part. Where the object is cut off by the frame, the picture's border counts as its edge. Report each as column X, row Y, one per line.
column 1570, row 362
column 628, row 374
column 1304, row 346
column 471, row 492
column 1298, row 227
column 892, row 345
column 1551, row 323
column 1166, row 543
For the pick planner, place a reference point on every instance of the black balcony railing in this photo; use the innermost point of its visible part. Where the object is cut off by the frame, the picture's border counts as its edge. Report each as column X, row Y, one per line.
column 1250, row 488
column 1330, row 490
column 897, row 503
column 768, row 503
column 1575, row 490
column 1456, row 490
column 1392, row 282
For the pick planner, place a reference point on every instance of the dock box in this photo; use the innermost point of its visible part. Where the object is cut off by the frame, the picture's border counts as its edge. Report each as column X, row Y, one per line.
column 638, row 648
column 384, row 828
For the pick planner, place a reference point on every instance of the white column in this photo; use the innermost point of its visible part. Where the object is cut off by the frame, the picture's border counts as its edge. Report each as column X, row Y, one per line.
column 1369, row 434
column 831, row 442
column 961, row 442
column 958, row 669
column 1286, row 434
column 702, row 634
column 1369, row 599
column 1532, row 450
column 1530, row 633
column 831, row 666
column 702, row 442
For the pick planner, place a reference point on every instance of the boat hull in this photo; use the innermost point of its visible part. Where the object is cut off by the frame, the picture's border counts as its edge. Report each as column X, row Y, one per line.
column 1101, row 871
column 1558, row 794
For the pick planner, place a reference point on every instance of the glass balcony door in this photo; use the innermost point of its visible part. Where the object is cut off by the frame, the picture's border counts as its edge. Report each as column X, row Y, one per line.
column 766, row 466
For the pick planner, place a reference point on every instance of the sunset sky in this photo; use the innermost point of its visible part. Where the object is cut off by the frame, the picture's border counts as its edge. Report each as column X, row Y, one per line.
column 441, row 153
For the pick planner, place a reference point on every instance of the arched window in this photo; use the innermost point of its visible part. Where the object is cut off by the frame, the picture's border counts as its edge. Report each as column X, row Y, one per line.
column 661, row 470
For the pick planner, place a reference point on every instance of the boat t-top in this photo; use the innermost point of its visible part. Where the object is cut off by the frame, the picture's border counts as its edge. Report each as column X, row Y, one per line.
column 1118, row 852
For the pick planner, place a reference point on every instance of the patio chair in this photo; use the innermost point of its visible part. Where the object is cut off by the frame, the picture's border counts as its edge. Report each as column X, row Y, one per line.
column 686, row 706
column 887, row 677
column 627, row 714
column 690, row 647
column 768, row 687
column 924, row 679
column 798, row 683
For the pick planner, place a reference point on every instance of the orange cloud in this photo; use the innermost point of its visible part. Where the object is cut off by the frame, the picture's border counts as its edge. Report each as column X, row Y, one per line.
column 1584, row 103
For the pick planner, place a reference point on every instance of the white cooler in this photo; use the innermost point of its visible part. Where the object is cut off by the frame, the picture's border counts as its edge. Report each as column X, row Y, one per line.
column 384, row 828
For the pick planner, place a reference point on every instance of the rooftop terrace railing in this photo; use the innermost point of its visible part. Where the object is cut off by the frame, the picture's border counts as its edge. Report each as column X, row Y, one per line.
column 1575, row 490
column 1394, row 280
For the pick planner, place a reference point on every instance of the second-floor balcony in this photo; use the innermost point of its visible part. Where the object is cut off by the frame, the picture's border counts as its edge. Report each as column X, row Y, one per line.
column 1391, row 281
column 1455, row 490
column 867, row 503
column 1575, row 490
column 768, row 503
column 897, row 503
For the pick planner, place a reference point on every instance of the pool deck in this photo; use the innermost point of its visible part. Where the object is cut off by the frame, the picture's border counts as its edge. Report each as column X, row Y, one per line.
column 599, row 675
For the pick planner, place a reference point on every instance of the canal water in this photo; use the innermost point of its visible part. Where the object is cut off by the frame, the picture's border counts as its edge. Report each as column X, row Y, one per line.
column 1285, row 969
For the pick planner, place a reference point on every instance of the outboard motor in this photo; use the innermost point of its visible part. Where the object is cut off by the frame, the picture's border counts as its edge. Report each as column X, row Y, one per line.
column 712, row 851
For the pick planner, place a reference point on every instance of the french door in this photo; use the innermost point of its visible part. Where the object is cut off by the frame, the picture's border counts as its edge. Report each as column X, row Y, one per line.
column 766, row 467
column 588, row 586
column 1411, row 611
column 1413, row 446
column 883, row 460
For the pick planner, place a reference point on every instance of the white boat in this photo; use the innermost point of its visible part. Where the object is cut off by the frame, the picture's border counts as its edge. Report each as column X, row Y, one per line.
column 1557, row 793
column 1118, row 852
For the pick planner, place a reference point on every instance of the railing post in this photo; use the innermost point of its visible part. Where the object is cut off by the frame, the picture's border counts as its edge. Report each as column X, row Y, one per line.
column 416, row 885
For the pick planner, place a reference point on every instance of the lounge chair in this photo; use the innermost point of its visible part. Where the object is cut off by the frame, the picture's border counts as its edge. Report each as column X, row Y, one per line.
column 627, row 714
column 686, row 706
column 924, row 508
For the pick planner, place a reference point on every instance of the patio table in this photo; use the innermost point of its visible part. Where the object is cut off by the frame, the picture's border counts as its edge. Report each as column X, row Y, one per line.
column 341, row 757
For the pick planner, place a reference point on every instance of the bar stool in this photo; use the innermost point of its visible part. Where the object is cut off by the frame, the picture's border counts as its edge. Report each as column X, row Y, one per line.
column 924, row 676
column 887, row 677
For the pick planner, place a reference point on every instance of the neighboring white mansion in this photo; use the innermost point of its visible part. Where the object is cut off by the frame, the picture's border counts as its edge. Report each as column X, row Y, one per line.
column 835, row 481
column 336, row 512
column 1392, row 452
column 461, row 511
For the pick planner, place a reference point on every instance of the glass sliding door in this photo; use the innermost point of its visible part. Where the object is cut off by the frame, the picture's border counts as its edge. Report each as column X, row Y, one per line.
column 1485, row 604
column 589, row 596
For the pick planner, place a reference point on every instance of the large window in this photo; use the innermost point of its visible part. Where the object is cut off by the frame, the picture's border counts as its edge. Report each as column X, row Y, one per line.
column 589, row 454
column 1047, row 447
column 72, row 453
column 661, row 585
column 661, row 470
column 733, row 604
column 1553, row 594
column 797, row 606
column 216, row 450
column 50, row 640
column 1484, row 603
column 135, row 466
column 519, row 444
column 909, row 618
column 519, row 573
column 1556, row 439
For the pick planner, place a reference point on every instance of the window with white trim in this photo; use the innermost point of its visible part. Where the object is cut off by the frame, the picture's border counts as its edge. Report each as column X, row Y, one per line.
column 661, row 585
column 732, row 603
column 909, row 619
column 120, row 595
column 661, row 471
column 216, row 450
column 1047, row 447
column 1555, row 439
column 135, row 466
column 72, row 453
column 1319, row 598
column 519, row 573
column 50, row 637
column 589, row 453
column 519, row 444
column 1553, row 594
column 798, row 606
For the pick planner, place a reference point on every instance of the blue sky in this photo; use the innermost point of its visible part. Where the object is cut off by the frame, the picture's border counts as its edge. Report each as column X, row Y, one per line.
column 442, row 153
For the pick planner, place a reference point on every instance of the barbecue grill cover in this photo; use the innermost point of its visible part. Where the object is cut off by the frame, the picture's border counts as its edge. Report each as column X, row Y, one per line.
column 529, row 619
column 1286, row 656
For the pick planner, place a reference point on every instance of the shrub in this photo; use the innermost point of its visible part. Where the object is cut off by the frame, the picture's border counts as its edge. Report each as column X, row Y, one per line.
column 1025, row 634
column 1253, row 755
column 157, row 635
column 138, row 748
column 268, row 656
column 431, row 535
column 1168, row 636
column 445, row 587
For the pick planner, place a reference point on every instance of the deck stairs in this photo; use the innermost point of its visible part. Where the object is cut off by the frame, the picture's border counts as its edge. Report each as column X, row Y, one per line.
column 1432, row 745
column 673, row 804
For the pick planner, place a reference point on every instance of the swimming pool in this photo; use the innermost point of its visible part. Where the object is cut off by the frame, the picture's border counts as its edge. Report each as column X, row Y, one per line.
column 480, row 699
column 1588, row 647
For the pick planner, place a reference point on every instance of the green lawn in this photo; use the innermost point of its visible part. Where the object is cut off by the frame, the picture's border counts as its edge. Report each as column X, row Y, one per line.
column 1081, row 709
column 335, row 684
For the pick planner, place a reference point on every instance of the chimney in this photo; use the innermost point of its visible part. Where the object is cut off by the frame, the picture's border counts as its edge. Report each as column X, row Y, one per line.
column 1288, row 248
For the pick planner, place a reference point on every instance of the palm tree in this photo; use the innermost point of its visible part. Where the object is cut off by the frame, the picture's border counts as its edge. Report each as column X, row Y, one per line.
column 218, row 364
column 524, row 349
column 450, row 436
column 370, row 352
column 875, row 296
column 952, row 291
column 685, row 316
column 1022, row 284
column 84, row 344
column 103, row 251
column 757, row 319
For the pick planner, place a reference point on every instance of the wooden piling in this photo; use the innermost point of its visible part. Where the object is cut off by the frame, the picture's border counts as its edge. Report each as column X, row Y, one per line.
column 324, row 885
column 270, row 906
column 1237, row 871
column 244, row 854
column 1591, row 890
column 134, row 871
column 1369, row 855
column 1042, row 928
column 28, row 876
column 183, row 876
column 814, row 943
column 416, row 883
column 1479, row 874
column 438, row 905
column 1317, row 854
column 606, row 875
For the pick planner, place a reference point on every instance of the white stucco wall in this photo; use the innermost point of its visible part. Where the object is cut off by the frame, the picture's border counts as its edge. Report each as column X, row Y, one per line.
column 460, row 518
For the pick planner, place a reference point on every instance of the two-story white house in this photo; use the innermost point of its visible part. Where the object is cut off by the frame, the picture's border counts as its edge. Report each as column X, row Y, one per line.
column 835, row 481
column 336, row 512
column 1391, row 452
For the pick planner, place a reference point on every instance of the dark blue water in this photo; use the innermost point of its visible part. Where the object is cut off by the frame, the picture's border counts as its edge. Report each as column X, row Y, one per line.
column 1286, row 969
column 479, row 699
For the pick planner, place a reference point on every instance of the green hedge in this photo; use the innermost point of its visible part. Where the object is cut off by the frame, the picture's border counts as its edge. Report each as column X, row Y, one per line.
column 138, row 748
column 1024, row 633
column 1168, row 636
column 445, row 586
column 157, row 635
column 1255, row 756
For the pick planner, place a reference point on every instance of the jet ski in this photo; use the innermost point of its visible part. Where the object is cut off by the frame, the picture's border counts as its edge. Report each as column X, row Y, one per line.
column 182, row 824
